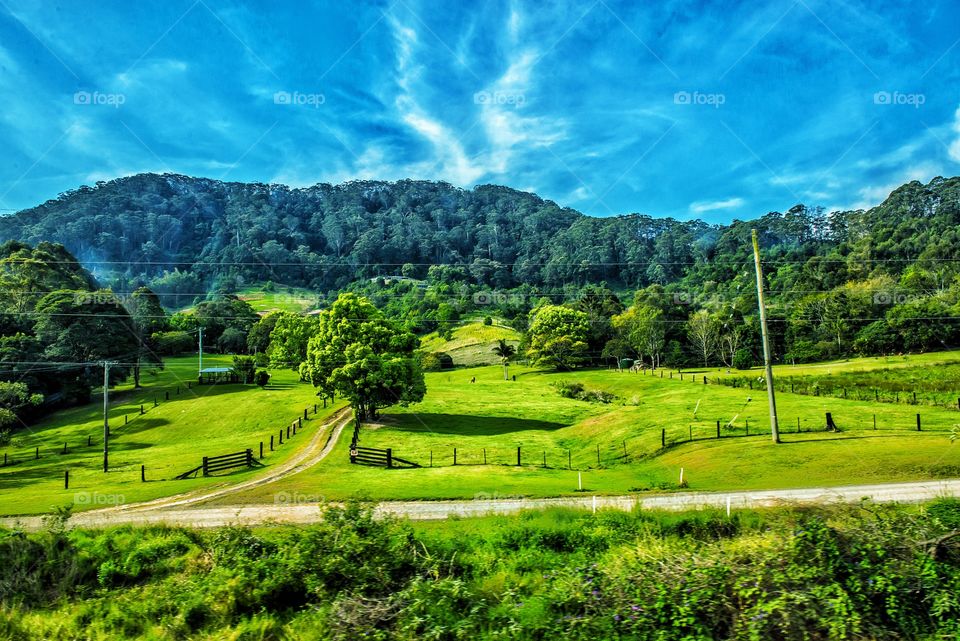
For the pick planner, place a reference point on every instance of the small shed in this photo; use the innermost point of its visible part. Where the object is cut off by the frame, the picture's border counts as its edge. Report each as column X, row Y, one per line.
column 213, row 375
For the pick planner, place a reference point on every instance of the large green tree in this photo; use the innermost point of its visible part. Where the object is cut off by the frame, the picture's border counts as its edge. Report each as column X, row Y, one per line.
column 149, row 318
column 358, row 354
column 289, row 338
column 80, row 329
column 558, row 337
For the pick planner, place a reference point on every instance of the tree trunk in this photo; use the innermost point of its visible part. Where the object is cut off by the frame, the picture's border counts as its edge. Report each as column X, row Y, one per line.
column 136, row 374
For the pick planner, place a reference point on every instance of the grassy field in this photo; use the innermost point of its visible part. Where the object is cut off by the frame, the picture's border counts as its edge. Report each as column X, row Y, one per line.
column 168, row 439
column 498, row 416
column 472, row 344
column 279, row 299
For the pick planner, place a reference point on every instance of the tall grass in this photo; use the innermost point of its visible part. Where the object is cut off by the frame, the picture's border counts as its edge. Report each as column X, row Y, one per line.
column 868, row 572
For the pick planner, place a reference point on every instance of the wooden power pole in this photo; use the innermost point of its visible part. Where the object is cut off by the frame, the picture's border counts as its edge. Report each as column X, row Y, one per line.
column 106, row 415
column 767, row 363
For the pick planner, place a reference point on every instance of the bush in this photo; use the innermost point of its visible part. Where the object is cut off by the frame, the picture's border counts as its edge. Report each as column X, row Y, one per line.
column 173, row 343
column 262, row 377
column 243, row 367
column 577, row 391
column 232, row 341
column 436, row 361
column 743, row 359
column 487, row 320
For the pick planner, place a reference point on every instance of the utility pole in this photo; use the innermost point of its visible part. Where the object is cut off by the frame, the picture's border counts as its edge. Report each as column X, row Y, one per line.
column 767, row 364
column 106, row 416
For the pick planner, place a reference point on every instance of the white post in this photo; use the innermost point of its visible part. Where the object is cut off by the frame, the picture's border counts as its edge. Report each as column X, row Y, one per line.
column 681, row 476
column 594, row 504
column 728, row 507
column 579, row 481
column 200, row 366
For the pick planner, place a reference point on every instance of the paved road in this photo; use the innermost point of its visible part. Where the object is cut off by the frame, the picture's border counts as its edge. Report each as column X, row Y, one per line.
column 199, row 516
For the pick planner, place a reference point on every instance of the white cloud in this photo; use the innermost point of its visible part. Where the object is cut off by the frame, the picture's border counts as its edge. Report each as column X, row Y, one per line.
column 701, row 207
column 955, row 145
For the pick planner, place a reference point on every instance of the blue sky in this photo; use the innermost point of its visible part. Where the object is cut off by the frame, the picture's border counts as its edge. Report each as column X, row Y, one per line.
column 712, row 110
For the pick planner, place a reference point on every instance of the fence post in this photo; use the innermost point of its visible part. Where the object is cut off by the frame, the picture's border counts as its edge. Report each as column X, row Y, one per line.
column 484, row 456
column 281, row 437
column 918, row 422
column 598, row 456
column 569, row 461
column 431, row 458
column 261, row 449
column 66, row 479
column 389, row 458
column 747, row 422
column 64, row 448
column 874, row 421
column 624, row 449
column 88, row 440
column 751, row 383
column 141, row 408
column 305, row 414
column 143, row 473
column 454, row 456
column 300, row 421
column 154, row 400
column 249, row 457
column 204, row 465
column 288, row 431
column 178, row 390
column 124, row 419
column 663, row 438
column 718, row 428
column 876, row 395
column 36, row 454
column 914, row 398
column 704, row 380
column 314, row 408
column 166, row 395
column 518, row 456
column 690, row 428
column 271, row 442
column 544, row 458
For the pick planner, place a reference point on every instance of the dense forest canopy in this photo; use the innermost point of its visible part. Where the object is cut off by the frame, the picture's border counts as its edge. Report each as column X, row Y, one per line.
column 182, row 235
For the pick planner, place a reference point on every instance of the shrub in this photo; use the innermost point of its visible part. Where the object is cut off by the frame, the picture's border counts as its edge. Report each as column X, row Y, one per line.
column 436, row 361
column 261, row 377
column 173, row 343
column 743, row 359
column 487, row 320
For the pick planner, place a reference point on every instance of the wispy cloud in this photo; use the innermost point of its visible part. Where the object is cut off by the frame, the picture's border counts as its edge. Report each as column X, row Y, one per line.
column 715, row 205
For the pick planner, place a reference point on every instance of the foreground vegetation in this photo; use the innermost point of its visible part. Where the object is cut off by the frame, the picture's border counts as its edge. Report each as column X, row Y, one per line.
column 867, row 572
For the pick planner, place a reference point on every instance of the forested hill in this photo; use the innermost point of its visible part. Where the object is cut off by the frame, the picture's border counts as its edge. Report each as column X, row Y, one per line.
column 175, row 232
